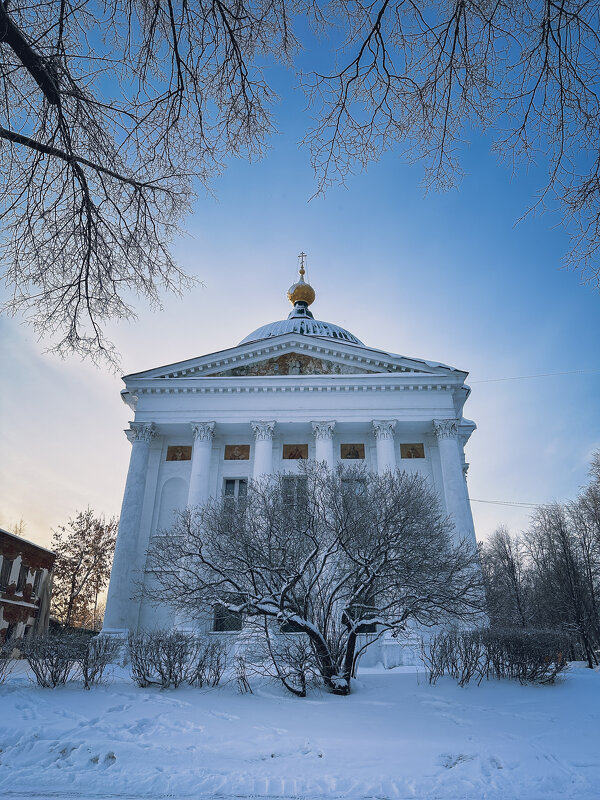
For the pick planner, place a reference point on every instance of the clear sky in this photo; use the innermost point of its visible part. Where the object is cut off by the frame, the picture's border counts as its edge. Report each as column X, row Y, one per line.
column 447, row 277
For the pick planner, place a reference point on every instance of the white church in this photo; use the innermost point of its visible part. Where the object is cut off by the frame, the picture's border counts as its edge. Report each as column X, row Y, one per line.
column 293, row 389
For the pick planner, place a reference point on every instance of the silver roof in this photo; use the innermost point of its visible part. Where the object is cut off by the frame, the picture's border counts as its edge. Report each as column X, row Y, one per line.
column 303, row 325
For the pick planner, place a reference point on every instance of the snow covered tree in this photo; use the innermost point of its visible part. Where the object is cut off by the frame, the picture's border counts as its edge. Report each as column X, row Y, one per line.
column 329, row 554
column 84, row 548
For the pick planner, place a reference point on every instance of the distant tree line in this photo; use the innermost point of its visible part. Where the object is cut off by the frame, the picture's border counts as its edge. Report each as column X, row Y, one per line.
column 549, row 576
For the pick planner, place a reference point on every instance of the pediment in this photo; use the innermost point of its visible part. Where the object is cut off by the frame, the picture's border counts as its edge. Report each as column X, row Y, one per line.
column 291, row 363
column 293, row 354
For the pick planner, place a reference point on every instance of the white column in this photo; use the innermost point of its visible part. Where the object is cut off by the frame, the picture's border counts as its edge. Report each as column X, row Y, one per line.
column 324, row 442
column 263, row 448
column 119, row 603
column 453, row 476
column 203, row 433
column 384, row 437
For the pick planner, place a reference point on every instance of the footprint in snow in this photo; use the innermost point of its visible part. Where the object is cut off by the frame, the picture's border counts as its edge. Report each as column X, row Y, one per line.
column 118, row 709
column 451, row 760
column 222, row 715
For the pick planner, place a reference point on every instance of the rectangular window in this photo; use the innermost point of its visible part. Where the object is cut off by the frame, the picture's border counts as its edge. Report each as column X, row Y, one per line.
column 226, row 621
column 235, row 488
column 22, row 579
column 295, row 492
column 357, row 485
column 36, row 582
column 5, row 571
column 11, row 631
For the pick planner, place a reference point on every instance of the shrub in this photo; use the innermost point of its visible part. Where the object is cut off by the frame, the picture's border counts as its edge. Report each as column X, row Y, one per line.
column 99, row 653
column 526, row 655
column 53, row 657
column 240, row 667
column 170, row 658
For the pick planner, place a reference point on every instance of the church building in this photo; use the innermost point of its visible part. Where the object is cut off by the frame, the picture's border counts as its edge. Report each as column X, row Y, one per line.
column 293, row 389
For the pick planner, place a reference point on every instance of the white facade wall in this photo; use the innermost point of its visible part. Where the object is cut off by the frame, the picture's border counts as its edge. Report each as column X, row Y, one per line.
column 381, row 410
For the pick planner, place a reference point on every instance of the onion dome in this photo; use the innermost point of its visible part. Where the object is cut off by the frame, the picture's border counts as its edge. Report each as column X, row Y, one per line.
column 300, row 319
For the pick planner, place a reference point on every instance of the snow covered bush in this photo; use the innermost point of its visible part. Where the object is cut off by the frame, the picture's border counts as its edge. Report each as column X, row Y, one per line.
column 208, row 661
column 169, row 658
column 327, row 553
column 525, row 655
column 55, row 657
column 100, row 652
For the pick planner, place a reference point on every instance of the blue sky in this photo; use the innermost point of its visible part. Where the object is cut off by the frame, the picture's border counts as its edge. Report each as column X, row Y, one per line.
column 448, row 277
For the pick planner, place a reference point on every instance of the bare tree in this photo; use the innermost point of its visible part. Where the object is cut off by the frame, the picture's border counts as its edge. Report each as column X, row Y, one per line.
column 329, row 554
column 505, row 578
column 549, row 578
column 565, row 594
column 109, row 112
column 112, row 112
column 84, row 549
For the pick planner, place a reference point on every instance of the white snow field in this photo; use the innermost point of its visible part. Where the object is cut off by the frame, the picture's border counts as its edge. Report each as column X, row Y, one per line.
column 394, row 737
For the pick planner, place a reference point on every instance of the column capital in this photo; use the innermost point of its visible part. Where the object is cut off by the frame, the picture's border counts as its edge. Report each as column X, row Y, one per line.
column 323, row 430
column 203, row 431
column 263, row 431
column 384, row 428
column 446, row 428
column 141, row 432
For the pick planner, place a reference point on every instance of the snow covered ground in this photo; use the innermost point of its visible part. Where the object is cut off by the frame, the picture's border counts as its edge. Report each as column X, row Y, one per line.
column 395, row 737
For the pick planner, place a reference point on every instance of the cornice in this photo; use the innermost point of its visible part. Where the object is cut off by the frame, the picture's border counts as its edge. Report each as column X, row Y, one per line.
column 281, row 384
column 346, row 387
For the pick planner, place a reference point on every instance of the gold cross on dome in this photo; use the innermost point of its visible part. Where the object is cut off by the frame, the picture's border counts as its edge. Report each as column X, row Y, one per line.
column 302, row 256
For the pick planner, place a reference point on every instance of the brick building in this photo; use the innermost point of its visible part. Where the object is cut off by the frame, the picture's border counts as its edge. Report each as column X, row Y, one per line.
column 25, row 586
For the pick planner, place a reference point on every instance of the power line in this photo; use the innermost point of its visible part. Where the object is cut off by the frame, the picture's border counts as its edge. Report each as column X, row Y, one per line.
column 508, row 503
column 538, row 375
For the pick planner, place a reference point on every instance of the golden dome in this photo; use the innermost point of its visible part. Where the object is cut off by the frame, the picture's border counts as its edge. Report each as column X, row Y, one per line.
column 301, row 292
